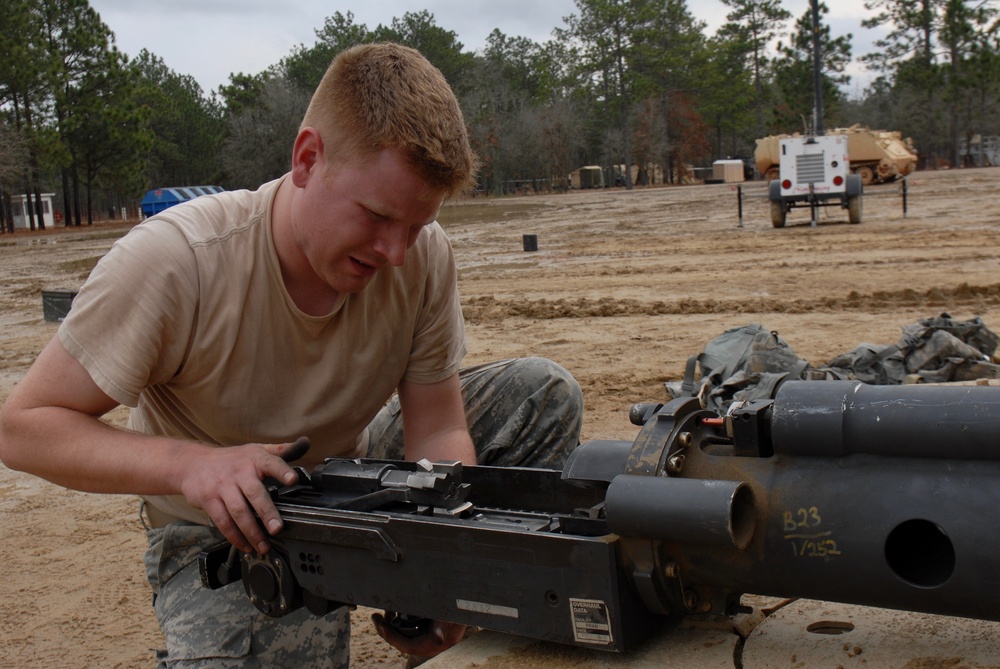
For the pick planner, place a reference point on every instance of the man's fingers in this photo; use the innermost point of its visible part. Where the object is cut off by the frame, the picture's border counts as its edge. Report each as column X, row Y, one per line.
column 236, row 514
column 280, row 472
column 392, row 636
column 243, row 516
column 223, row 522
column 440, row 637
column 229, row 486
column 295, row 450
column 448, row 633
column 256, row 494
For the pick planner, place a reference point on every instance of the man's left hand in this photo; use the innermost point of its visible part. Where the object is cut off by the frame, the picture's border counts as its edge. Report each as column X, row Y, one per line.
column 440, row 637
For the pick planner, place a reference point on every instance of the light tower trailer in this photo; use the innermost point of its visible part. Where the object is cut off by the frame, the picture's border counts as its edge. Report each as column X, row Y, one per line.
column 814, row 172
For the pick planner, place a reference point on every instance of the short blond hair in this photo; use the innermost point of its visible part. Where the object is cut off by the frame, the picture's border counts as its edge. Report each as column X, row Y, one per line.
column 387, row 96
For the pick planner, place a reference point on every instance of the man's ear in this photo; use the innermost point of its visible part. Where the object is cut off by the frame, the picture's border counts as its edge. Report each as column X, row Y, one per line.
column 307, row 155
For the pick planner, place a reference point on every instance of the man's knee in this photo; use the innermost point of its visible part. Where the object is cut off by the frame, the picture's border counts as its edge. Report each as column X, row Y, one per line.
column 559, row 386
column 534, row 418
column 567, row 388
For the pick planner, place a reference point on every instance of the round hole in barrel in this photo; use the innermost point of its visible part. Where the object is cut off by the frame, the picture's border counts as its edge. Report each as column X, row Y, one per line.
column 921, row 553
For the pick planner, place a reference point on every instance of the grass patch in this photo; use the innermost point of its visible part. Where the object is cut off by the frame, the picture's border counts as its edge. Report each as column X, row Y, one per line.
column 83, row 265
column 496, row 268
column 112, row 234
column 470, row 212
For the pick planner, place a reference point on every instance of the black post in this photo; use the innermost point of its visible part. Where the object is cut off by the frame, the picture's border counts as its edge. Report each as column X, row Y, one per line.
column 904, row 197
column 739, row 200
column 813, row 208
column 817, row 71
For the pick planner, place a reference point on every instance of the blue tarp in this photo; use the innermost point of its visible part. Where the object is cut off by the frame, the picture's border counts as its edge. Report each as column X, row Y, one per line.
column 159, row 199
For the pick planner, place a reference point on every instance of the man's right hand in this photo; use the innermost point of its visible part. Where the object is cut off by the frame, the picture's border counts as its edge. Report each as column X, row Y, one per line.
column 227, row 484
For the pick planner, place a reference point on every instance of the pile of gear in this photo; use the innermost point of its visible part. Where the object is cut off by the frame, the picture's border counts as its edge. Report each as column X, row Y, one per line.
column 750, row 362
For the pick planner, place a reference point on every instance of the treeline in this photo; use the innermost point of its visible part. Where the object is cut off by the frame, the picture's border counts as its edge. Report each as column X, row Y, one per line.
column 622, row 82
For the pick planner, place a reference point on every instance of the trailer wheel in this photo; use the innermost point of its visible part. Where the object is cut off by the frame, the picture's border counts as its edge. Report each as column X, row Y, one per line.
column 777, row 213
column 854, row 209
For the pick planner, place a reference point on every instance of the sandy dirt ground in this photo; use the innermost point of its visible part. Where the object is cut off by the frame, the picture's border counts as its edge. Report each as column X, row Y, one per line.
column 623, row 287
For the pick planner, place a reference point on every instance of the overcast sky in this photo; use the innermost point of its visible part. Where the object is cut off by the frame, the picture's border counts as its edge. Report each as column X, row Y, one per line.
column 210, row 39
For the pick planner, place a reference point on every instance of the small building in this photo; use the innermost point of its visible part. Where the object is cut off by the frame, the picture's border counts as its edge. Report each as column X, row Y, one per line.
column 589, row 176
column 980, row 151
column 728, row 171
column 159, row 199
column 24, row 204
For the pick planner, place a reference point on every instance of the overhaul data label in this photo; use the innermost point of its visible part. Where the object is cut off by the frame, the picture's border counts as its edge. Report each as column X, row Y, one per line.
column 591, row 621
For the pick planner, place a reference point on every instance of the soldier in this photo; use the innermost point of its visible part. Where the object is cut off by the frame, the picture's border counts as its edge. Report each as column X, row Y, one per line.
column 234, row 323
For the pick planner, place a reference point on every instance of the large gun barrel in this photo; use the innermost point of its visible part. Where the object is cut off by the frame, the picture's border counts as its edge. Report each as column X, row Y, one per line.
column 858, row 494
column 881, row 496
column 835, row 419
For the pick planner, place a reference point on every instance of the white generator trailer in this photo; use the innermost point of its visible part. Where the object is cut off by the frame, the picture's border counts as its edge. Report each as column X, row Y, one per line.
column 814, row 172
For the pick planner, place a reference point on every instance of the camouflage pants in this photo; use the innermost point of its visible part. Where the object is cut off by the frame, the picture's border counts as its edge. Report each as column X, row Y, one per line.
column 221, row 629
column 525, row 412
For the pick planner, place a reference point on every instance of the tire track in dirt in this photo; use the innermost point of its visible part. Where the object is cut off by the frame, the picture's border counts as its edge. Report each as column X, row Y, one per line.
column 486, row 308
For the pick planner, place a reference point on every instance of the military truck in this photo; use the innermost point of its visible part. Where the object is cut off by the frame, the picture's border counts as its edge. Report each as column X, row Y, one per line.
column 876, row 156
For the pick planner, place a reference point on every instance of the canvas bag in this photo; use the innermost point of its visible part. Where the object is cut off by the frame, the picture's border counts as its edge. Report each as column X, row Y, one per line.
column 750, row 362
column 743, row 363
column 944, row 349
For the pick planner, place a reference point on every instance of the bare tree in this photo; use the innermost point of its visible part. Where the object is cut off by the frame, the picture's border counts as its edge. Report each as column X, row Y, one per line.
column 259, row 145
column 13, row 157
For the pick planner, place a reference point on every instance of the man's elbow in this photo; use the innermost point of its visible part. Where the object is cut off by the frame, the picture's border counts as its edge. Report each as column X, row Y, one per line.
column 10, row 450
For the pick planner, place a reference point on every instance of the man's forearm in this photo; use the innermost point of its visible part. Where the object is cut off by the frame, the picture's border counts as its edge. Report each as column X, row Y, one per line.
column 451, row 444
column 434, row 424
column 79, row 451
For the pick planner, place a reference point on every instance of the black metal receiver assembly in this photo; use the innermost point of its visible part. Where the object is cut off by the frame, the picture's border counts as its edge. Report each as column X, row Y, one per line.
column 875, row 495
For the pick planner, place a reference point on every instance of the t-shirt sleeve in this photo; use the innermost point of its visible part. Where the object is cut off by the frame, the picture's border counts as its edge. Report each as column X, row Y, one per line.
column 439, row 340
column 131, row 321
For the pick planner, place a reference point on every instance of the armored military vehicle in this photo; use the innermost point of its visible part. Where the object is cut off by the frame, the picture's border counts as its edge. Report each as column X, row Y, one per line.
column 876, row 156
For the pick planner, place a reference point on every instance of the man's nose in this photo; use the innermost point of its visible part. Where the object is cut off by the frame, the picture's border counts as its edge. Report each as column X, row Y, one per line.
column 391, row 243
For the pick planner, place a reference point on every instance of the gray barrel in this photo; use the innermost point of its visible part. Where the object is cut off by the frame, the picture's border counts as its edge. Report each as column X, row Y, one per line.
column 682, row 510
column 837, row 418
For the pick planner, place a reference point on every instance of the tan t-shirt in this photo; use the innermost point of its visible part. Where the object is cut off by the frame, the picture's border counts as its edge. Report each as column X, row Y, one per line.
column 187, row 321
